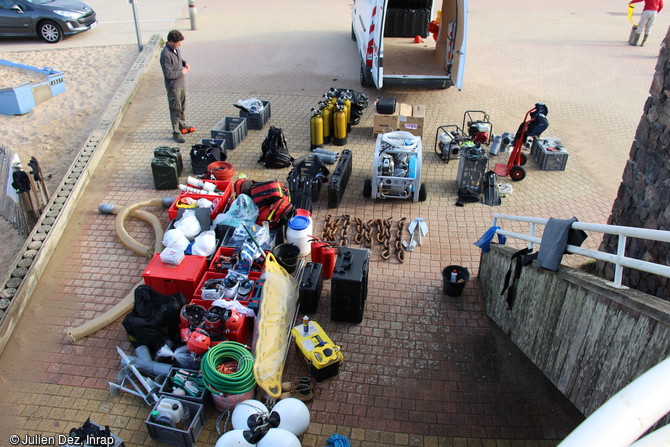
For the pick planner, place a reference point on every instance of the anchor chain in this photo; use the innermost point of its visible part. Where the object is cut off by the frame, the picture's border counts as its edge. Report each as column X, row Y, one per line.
column 359, row 231
column 399, row 249
column 346, row 221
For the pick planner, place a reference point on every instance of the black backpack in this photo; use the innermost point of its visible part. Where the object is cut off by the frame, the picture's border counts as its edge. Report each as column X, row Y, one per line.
column 275, row 153
column 154, row 319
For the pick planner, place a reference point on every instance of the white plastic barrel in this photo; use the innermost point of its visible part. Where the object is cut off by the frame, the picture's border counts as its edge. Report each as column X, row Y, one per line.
column 298, row 230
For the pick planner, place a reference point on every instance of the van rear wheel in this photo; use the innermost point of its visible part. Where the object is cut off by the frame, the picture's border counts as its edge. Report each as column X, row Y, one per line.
column 366, row 76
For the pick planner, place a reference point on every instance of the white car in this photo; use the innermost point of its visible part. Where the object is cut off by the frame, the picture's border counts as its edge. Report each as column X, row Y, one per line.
column 49, row 20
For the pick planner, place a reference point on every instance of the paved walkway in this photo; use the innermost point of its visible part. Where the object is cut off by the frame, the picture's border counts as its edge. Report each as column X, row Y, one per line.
column 422, row 369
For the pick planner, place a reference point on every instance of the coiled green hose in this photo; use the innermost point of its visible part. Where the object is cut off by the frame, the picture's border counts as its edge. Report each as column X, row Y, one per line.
column 236, row 383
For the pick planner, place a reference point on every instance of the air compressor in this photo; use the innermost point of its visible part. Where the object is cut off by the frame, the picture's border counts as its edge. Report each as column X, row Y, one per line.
column 396, row 171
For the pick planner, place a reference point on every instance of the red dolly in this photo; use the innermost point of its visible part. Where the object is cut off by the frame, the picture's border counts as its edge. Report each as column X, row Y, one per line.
column 531, row 127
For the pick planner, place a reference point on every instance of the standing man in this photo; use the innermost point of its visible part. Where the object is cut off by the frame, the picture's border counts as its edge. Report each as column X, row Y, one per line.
column 651, row 8
column 175, row 70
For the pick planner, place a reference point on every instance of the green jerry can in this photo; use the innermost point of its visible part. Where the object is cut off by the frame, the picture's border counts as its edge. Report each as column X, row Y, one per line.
column 171, row 152
column 165, row 172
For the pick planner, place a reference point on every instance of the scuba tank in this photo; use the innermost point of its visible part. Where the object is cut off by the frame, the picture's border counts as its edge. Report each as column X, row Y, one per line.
column 340, row 126
column 345, row 97
column 316, row 129
column 327, row 115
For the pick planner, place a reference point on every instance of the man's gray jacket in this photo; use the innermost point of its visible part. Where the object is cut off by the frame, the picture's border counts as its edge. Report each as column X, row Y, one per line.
column 172, row 64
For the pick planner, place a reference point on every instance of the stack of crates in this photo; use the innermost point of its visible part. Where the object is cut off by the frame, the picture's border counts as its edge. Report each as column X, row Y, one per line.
column 471, row 169
column 407, row 18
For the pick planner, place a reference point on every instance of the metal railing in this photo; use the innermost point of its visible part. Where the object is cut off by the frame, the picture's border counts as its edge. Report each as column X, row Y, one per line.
column 628, row 414
column 620, row 260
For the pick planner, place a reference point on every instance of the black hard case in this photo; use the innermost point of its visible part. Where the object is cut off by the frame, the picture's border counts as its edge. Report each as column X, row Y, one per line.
column 311, row 285
column 386, row 106
column 349, row 285
column 338, row 181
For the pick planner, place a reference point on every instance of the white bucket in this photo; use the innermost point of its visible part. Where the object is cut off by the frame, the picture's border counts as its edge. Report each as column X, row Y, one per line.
column 298, row 232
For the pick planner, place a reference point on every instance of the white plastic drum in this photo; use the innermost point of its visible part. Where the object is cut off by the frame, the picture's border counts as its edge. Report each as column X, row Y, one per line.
column 298, row 232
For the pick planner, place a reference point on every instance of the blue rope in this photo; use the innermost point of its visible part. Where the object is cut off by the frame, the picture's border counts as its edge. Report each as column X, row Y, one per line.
column 338, row 441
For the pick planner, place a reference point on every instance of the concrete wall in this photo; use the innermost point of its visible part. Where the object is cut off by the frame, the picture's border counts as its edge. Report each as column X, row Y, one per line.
column 589, row 339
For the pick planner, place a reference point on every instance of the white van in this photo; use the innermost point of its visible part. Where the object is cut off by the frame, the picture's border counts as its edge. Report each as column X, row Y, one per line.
column 401, row 60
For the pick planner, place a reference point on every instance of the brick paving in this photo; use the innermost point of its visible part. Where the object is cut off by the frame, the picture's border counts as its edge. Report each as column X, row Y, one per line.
column 422, row 369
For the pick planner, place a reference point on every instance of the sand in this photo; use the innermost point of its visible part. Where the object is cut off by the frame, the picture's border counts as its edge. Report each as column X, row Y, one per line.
column 55, row 131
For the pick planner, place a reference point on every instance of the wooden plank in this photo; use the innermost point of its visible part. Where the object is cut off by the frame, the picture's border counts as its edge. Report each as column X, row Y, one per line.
column 404, row 56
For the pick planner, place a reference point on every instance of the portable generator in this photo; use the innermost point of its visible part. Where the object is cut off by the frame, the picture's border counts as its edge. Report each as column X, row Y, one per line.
column 396, row 170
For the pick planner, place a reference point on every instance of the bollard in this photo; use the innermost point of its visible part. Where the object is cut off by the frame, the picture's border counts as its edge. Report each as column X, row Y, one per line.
column 191, row 14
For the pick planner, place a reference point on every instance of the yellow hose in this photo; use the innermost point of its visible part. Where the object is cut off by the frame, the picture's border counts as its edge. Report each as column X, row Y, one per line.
column 122, row 307
column 122, row 214
column 126, row 304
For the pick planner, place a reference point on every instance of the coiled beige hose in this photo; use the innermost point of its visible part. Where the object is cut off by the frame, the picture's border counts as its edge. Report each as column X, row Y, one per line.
column 126, row 304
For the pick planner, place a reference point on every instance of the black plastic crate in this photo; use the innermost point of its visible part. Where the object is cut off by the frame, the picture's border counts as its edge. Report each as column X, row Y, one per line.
column 220, row 142
column 187, row 437
column 231, row 129
column 550, row 154
column 472, row 166
column 340, row 178
column 256, row 120
column 405, row 22
column 204, row 154
column 168, row 388
column 349, row 285
column 311, row 286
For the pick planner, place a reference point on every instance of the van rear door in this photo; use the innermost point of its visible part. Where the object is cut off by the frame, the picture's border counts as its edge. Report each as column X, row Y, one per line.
column 458, row 65
column 452, row 39
column 378, row 19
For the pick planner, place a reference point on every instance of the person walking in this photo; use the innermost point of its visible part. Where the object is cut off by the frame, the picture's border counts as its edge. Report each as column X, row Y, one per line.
column 175, row 70
column 651, row 8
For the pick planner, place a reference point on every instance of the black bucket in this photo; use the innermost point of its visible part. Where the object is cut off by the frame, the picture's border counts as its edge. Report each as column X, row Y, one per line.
column 287, row 256
column 454, row 288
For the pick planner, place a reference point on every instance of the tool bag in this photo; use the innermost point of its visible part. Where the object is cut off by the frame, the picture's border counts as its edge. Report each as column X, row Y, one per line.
column 266, row 193
column 154, row 319
column 276, row 214
column 204, row 154
column 242, row 186
column 275, row 154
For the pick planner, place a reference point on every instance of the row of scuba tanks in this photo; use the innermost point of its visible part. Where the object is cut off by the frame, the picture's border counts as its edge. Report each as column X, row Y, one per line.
column 331, row 121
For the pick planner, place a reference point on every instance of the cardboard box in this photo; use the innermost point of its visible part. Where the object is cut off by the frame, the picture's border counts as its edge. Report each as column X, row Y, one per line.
column 413, row 123
column 407, row 118
column 384, row 123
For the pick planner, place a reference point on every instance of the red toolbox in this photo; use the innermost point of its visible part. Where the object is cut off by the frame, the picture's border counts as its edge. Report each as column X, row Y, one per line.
column 169, row 279
column 197, row 294
column 220, row 202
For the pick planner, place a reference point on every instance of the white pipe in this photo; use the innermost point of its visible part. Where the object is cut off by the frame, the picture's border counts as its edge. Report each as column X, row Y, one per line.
column 621, row 420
